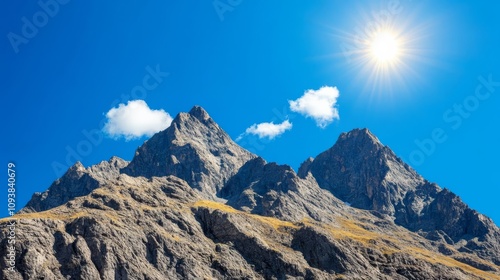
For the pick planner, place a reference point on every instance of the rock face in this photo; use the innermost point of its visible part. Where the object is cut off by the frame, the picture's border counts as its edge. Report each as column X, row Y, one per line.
column 160, row 228
column 194, row 205
column 77, row 181
column 195, row 149
column 360, row 170
column 275, row 190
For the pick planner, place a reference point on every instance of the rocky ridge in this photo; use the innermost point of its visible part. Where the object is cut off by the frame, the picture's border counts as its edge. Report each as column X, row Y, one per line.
column 77, row 181
column 362, row 171
column 192, row 204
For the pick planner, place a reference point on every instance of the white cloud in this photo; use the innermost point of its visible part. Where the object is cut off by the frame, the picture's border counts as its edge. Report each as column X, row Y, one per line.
column 269, row 130
column 318, row 104
column 135, row 120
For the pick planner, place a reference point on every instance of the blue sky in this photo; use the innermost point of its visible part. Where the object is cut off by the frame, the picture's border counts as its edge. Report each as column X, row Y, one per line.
column 243, row 61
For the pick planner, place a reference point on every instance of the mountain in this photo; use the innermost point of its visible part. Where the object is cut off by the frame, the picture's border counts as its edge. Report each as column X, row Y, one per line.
column 192, row 204
column 195, row 149
column 362, row 171
column 77, row 181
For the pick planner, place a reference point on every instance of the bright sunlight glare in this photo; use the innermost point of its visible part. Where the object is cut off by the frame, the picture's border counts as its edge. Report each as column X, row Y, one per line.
column 384, row 47
column 383, row 56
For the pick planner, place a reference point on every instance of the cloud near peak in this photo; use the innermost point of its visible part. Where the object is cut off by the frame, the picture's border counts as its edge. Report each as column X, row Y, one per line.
column 135, row 120
column 268, row 130
column 321, row 105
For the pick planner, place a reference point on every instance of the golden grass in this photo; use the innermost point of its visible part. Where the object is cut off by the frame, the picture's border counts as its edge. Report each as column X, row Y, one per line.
column 215, row 205
column 273, row 222
column 351, row 230
column 433, row 257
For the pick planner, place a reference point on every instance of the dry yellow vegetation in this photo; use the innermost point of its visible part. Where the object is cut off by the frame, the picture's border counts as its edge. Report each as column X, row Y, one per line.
column 348, row 229
column 275, row 223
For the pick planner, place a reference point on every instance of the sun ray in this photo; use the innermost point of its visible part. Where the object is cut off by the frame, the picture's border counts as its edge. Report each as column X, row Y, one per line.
column 384, row 58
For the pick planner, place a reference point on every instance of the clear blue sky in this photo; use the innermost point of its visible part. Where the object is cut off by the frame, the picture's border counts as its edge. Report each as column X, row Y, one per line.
column 243, row 63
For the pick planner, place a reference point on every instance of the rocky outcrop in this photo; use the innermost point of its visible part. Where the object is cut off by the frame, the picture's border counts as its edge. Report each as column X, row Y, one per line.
column 275, row 190
column 193, row 148
column 77, row 181
column 362, row 171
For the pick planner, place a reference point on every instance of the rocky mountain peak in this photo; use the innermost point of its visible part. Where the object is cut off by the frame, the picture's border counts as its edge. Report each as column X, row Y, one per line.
column 360, row 170
column 304, row 167
column 195, row 117
column 360, row 135
column 195, row 149
column 363, row 143
column 199, row 113
column 363, row 172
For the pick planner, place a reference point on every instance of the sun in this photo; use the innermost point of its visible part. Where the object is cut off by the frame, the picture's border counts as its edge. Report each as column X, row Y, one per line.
column 384, row 54
column 384, row 47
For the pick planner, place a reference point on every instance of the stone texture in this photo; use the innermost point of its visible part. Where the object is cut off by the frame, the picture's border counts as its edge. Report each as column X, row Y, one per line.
column 275, row 190
column 362, row 171
column 77, row 181
column 160, row 228
column 193, row 148
column 159, row 217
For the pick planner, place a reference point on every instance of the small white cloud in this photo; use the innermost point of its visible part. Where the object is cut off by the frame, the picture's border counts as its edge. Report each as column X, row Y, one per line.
column 318, row 104
column 269, row 130
column 135, row 120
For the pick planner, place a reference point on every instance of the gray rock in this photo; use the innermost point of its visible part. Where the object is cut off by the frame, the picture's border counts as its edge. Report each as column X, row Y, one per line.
column 275, row 190
column 160, row 228
column 163, row 220
column 360, row 170
column 193, row 148
column 77, row 181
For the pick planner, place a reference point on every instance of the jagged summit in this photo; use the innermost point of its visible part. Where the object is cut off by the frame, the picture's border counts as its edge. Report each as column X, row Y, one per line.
column 199, row 113
column 360, row 170
column 363, row 172
column 196, row 114
column 360, row 134
column 195, row 149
